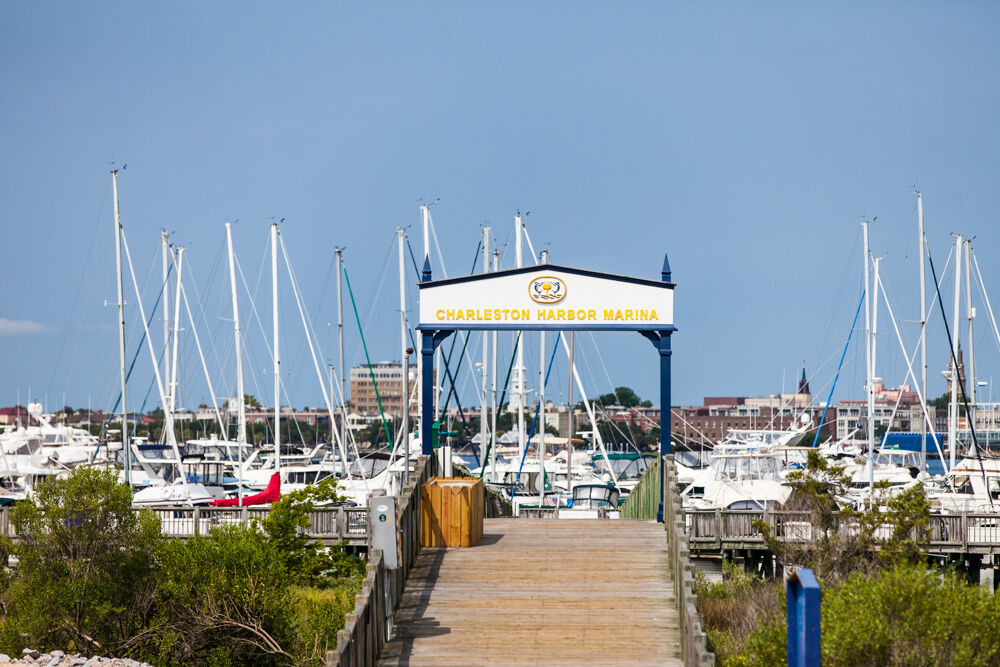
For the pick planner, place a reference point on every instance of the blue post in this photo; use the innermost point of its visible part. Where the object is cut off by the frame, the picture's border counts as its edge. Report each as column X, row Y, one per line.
column 429, row 341
column 665, row 416
column 663, row 347
column 802, row 603
column 427, row 389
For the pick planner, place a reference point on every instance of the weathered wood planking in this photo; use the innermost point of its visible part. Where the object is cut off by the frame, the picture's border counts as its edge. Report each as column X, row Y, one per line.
column 542, row 591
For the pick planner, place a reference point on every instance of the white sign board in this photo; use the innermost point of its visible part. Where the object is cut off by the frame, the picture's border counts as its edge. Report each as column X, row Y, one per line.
column 547, row 297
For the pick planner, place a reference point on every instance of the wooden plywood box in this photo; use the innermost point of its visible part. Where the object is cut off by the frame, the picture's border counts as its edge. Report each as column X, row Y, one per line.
column 451, row 512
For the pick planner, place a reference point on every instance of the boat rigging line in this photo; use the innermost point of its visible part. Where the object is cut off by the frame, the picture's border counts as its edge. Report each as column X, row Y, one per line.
column 961, row 385
column 534, row 422
column 836, row 376
column 361, row 332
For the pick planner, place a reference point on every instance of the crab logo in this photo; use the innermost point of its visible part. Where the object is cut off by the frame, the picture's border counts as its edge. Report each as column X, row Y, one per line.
column 547, row 289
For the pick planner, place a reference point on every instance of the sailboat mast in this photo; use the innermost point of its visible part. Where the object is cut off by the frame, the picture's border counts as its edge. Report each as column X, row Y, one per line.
column 923, row 328
column 424, row 213
column 493, row 389
column 172, row 381
column 970, row 313
column 126, row 447
column 486, row 359
column 869, row 371
column 340, row 344
column 405, row 360
column 955, row 372
column 570, row 426
column 541, row 407
column 165, row 256
column 277, row 352
column 876, row 264
column 241, row 427
column 518, row 235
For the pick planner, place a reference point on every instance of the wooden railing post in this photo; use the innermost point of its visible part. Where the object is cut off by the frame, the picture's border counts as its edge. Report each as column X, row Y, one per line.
column 341, row 525
column 694, row 649
column 365, row 631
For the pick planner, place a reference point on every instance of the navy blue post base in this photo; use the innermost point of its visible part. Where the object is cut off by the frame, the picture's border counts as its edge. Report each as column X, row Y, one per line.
column 661, row 341
column 429, row 343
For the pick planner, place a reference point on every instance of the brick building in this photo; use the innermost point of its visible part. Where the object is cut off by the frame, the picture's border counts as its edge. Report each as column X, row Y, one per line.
column 389, row 376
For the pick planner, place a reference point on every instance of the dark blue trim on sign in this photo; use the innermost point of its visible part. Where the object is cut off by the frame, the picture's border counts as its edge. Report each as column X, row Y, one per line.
column 542, row 268
column 451, row 326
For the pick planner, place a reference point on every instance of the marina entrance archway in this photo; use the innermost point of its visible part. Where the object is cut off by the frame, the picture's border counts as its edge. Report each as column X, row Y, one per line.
column 545, row 297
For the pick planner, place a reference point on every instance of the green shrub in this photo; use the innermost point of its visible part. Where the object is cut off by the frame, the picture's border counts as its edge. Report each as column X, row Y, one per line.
column 309, row 561
column 910, row 616
column 96, row 577
column 904, row 617
column 85, row 579
column 225, row 596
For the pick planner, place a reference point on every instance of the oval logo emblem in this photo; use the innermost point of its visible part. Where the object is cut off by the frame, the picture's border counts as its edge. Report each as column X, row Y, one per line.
column 547, row 289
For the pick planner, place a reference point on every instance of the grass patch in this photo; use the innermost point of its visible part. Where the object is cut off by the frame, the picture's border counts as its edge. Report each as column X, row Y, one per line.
column 318, row 614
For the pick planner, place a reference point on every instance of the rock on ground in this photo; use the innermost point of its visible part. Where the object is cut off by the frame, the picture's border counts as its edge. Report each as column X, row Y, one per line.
column 61, row 659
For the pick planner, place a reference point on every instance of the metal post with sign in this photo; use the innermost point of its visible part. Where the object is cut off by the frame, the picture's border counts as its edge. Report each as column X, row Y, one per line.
column 384, row 530
column 547, row 298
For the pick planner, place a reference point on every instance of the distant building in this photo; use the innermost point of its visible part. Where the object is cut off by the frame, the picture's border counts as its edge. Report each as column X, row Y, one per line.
column 710, row 422
column 388, row 378
column 644, row 419
column 13, row 415
column 852, row 416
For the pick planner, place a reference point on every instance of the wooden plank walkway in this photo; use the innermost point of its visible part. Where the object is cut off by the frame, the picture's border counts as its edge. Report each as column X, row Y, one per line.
column 542, row 591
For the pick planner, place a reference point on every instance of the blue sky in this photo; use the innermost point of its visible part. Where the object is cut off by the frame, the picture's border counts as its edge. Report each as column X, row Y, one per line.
column 746, row 141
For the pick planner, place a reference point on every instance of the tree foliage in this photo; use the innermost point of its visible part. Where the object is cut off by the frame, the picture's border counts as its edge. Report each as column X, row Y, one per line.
column 85, row 578
column 623, row 396
column 305, row 558
column 898, row 617
column 224, row 596
column 95, row 576
column 845, row 540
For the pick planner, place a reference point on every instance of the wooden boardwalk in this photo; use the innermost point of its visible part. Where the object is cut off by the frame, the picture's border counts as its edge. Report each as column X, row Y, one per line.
column 542, row 591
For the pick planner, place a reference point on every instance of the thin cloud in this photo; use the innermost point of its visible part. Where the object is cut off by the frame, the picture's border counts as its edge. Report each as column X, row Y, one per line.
column 19, row 327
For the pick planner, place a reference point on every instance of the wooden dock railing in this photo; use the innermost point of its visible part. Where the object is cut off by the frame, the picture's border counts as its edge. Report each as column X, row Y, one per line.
column 367, row 627
column 643, row 501
column 694, row 649
column 718, row 530
column 332, row 524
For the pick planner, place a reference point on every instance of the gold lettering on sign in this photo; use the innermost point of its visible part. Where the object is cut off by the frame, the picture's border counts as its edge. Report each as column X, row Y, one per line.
column 545, row 314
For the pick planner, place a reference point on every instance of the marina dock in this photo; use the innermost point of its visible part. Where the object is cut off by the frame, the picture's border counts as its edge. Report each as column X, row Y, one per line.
column 537, row 591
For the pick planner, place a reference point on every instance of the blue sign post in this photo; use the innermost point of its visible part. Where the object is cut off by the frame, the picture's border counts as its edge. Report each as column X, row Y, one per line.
column 803, row 603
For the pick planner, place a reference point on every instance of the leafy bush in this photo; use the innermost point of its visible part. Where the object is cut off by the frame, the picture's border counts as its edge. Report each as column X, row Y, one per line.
column 307, row 560
column 844, row 541
column 96, row 577
column 85, row 579
column 227, row 592
column 910, row 616
column 903, row 617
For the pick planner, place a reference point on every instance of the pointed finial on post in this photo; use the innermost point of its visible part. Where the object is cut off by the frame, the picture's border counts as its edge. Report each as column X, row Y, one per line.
column 427, row 269
column 665, row 271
